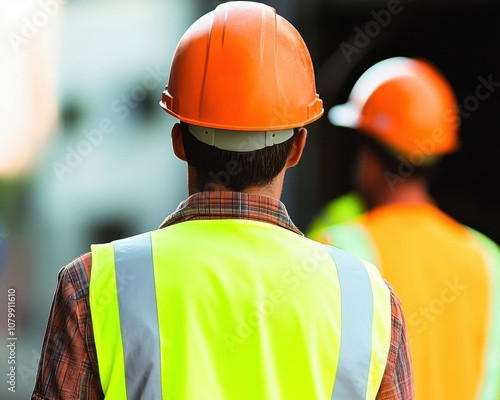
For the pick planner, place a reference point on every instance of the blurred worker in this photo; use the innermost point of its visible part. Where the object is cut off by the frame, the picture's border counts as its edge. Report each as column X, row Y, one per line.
column 447, row 275
column 228, row 300
column 338, row 210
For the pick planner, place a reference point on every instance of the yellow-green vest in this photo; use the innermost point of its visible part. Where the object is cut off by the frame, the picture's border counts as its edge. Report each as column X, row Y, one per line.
column 236, row 309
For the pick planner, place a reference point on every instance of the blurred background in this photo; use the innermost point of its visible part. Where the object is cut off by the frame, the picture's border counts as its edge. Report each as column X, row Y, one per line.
column 85, row 151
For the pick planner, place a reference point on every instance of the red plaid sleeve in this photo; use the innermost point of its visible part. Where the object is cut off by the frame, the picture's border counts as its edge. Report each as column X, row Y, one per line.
column 68, row 362
column 397, row 383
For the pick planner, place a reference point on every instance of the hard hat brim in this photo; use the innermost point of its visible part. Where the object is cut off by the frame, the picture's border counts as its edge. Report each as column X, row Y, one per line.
column 346, row 115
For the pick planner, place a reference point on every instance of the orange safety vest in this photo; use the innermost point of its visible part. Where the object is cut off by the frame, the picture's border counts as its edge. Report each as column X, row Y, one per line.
column 448, row 279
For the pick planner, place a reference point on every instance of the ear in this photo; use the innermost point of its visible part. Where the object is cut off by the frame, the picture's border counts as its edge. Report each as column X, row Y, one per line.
column 299, row 141
column 177, row 143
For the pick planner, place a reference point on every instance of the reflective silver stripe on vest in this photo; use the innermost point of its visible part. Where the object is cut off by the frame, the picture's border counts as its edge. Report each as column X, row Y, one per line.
column 356, row 317
column 137, row 296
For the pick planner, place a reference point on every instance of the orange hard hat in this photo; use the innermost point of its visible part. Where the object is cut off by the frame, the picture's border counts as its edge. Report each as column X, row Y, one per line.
column 242, row 67
column 405, row 104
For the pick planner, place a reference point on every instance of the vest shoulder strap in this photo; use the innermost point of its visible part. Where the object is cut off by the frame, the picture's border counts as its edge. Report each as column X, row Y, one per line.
column 357, row 308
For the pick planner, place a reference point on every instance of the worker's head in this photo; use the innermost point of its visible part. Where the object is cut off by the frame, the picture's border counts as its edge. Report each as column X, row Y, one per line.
column 406, row 116
column 406, row 106
column 242, row 85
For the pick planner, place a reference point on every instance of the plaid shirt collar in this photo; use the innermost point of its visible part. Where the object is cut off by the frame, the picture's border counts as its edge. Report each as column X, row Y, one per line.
column 232, row 205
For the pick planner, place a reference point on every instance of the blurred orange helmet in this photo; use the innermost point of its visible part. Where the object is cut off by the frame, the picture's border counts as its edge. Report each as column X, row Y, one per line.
column 242, row 67
column 405, row 104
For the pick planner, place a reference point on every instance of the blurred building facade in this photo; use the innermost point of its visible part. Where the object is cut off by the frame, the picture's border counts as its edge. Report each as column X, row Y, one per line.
column 104, row 169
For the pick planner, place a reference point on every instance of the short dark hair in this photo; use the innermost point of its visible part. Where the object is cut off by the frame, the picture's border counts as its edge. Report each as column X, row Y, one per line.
column 392, row 162
column 234, row 170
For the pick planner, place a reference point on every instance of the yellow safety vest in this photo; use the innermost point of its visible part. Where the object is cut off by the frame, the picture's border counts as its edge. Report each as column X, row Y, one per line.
column 236, row 309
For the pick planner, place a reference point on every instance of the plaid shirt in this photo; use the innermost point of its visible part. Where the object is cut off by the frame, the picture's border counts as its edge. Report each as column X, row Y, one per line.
column 68, row 366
